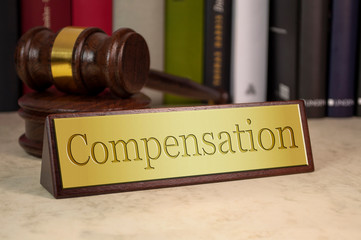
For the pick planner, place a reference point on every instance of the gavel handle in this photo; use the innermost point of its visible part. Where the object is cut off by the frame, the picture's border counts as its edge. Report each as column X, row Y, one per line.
column 184, row 87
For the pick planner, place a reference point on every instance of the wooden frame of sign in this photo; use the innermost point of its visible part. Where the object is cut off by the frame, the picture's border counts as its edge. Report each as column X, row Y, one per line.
column 266, row 139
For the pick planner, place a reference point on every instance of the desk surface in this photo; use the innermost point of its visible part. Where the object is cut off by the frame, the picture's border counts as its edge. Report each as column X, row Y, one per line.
column 325, row 204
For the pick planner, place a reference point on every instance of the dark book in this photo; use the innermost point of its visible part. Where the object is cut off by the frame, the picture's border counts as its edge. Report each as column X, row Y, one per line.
column 358, row 80
column 358, row 94
column 313, row 55
column 298, row 53
column 217, row 44
column 343, row 54
column 282, row 55
column 10, row 86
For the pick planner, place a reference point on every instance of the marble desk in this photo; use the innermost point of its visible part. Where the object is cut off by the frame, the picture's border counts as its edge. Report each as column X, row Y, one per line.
column 325, row 204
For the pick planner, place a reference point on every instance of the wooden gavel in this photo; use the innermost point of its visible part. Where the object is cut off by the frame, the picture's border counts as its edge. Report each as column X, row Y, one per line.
column 86, row 60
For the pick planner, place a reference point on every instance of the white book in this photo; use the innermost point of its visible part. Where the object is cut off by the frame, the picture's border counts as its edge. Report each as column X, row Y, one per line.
column 249, row 50
column 147, row 18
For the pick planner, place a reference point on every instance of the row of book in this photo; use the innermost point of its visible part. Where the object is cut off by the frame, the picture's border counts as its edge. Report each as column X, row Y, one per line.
column 274, row 50
column 314, row 54
column 219, row 43
column 257, row 50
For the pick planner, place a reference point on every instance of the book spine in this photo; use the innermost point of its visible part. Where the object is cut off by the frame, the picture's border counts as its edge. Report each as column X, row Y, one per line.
column 217, row 44
column 93, row 13
column 147, row 18
column 342, row 62
column 184, row 43
column 249, row 50
column 358, row 94
column 283, row 50
column 314, row 29
column 10, row 85
column 358, row 79
column 53, row 14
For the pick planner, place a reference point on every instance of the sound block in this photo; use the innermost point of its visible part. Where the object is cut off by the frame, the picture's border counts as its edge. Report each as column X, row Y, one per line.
column 36, row 106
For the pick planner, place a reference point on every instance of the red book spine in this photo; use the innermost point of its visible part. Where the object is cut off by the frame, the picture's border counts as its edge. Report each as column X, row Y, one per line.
column 54, row 14
column 93, row 13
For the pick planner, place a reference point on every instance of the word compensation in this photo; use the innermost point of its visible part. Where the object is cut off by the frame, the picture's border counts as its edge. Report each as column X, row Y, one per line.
column 181, row 146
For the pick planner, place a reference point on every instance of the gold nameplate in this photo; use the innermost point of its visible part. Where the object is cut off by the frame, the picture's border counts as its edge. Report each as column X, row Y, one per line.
column 97, row 153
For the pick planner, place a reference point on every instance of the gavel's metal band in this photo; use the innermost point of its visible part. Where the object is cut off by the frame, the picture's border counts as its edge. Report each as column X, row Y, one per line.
column 61, row 58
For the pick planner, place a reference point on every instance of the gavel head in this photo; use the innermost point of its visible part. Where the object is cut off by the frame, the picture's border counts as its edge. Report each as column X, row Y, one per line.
column 83, row 60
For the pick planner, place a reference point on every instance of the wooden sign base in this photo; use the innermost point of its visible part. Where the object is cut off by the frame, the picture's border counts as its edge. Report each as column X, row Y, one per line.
column 36, row 106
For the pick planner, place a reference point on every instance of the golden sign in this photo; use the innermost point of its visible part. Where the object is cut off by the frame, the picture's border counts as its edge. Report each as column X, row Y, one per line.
column 158, row 144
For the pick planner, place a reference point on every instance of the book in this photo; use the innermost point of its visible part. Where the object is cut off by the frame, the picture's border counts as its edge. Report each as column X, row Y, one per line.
column 298, row 44
column 342, row 62
column 53, row 14
column 358, row 95
column 249, row 50
column 56, row 14
column 217, row 44
column 313, row 56
column 93, row 13
column 282, row 58
column 146, row 18
column 10, row 86
column 184, row 43
column 358, row 79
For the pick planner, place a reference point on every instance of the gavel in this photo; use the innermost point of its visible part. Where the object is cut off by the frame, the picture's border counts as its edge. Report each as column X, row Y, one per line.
column 87, row 60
